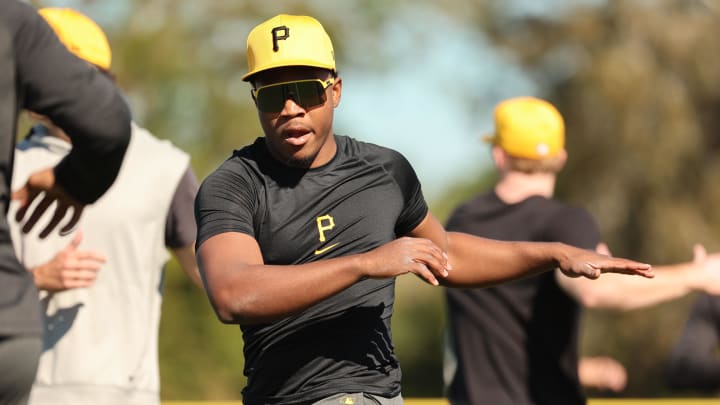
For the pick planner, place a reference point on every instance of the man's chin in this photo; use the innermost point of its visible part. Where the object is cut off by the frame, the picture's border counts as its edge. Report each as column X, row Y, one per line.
column 301, row 162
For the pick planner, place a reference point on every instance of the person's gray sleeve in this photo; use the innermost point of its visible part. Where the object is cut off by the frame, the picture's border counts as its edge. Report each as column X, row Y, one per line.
column 76, row 97
column 694, row 362
column 180, row 227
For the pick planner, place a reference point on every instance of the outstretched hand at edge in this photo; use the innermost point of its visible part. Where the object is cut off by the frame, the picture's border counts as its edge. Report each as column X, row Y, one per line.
column 575, row 262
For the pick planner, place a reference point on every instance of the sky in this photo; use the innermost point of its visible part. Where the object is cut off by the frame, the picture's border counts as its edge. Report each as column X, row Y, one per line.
column 419, row 106
column 433, row 102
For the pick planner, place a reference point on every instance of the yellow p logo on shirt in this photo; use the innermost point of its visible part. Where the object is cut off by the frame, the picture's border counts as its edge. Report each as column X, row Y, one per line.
column 324, row 223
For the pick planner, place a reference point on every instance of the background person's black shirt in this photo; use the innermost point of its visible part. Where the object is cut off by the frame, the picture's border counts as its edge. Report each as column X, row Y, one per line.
column 694, row 361
column 517, row 343
column 371, row 196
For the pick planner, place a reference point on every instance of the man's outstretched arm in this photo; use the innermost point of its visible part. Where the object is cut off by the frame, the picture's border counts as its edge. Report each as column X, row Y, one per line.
column 481, row 262
column 243, row 289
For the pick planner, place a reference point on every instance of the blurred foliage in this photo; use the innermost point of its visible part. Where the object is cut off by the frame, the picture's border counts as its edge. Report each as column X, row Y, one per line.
column 638, row 83
column 200, row 357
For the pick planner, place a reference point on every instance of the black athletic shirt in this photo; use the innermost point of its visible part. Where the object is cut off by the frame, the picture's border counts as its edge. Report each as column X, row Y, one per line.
column 694, row 362
column 38, row 73
column 364, row 197
column 517, row 343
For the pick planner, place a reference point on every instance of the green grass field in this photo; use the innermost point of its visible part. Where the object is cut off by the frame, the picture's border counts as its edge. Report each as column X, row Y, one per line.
column 438, row 401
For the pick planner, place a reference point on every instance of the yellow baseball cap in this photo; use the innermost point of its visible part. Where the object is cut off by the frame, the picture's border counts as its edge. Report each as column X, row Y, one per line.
column 81, row 35
column 288, row 40
column 528, row 127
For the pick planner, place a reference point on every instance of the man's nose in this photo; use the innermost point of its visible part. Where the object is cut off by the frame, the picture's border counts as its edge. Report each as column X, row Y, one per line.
column 291, row 107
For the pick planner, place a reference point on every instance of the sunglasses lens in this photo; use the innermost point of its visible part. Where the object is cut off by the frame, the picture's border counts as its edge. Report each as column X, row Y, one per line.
column 305, row 93
column 270, row 98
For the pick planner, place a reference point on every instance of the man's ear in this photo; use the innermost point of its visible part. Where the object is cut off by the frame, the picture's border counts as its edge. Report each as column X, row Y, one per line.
column 562, row 156
column 337, row 91
column 499, row 157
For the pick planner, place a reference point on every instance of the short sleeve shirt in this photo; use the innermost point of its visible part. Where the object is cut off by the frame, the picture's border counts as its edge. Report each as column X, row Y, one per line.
column 364, row 197
column 517, row 343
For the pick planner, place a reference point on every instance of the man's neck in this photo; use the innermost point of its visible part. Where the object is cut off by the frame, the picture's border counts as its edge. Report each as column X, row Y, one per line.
column 514, row 187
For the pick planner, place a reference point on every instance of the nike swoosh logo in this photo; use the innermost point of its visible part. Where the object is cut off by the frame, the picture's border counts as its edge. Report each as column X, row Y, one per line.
column 325, row 249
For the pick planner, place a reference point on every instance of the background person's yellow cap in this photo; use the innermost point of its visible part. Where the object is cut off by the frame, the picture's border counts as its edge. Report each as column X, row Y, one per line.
column 81, row 35
column 288, row 40
column 528, row 127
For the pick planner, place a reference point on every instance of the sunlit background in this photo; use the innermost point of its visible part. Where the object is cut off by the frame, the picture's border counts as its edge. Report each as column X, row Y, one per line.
column 638, row 82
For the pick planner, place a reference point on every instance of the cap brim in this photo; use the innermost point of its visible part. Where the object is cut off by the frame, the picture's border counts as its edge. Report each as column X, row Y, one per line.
column 301, row 63
column 489, row 138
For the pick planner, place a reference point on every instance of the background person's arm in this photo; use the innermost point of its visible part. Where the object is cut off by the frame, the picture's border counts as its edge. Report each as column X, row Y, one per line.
column 180, row 226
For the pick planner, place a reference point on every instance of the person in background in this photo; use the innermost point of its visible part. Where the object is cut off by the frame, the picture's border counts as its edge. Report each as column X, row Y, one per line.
column 302, row 233
column 101, row 285
column 517, row 343
column 694, row 362
column 38, row 73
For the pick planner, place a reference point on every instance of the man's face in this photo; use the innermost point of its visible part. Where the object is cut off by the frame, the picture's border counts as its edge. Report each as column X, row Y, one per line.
column 297, row 132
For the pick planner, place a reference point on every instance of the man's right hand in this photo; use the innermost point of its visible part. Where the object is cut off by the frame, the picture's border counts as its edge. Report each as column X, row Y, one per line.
column 42, row 184
column 419, row 256
column 70, row 268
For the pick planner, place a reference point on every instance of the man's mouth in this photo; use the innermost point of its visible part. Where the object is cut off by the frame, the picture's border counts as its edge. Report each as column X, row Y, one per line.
column 297, row 137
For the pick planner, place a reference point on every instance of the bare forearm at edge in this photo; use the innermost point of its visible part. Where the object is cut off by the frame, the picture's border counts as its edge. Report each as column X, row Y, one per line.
column 481, row 262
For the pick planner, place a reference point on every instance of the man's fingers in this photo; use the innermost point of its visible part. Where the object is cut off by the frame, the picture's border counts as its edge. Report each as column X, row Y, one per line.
column 86, row 274
column 81, row 274
column 90, row 255
column 58, row 215
column 77, row 239
column 78, row 283
column 76, row 213
column 436, row 262
column 425, row 273
column 87, row 262
column 591, row 271
column 623, row 266
column 37, row 213
column 86, row 265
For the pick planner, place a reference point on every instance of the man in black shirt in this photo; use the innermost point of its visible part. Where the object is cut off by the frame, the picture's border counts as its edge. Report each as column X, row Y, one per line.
column 694, row 361
column 302, row 233
column 517, row 343
column 39, row 74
